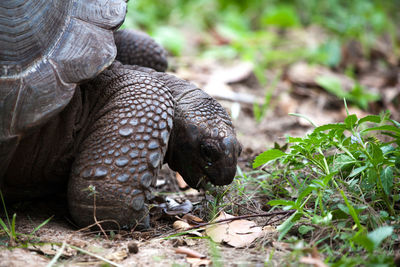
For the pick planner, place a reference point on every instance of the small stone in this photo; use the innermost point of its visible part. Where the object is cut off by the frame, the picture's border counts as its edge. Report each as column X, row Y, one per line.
column 133, row 247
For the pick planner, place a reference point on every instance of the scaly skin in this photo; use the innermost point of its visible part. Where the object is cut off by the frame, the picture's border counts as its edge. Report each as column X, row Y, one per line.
column 137, row 48
column 116, row 132
column 123, row 148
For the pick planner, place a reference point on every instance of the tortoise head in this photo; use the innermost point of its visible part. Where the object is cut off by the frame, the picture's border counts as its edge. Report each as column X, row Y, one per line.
column 203, row 145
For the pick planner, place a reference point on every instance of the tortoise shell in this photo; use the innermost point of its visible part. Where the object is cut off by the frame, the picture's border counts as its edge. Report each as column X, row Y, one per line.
column 46, row 48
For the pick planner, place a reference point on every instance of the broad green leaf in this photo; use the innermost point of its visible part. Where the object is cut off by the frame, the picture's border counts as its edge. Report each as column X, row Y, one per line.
column 358, row 170
column 288, row 224
column 332, row 85
column 350, row 121
column 342, row 161
column 281, row 16
column 371, row 175
column 303, row 194
column 334, row 126
column 384, row 128
column 376, row 154
column 282, row 202
column 364, row 241
column 294, row 139
column 387, row 179
column 351, row 210
column 328, row 178
column 370, row 118
column 379, row 234
column 267, row 156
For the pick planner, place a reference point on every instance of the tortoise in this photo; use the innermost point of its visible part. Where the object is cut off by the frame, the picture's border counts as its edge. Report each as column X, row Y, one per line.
column 73, row 119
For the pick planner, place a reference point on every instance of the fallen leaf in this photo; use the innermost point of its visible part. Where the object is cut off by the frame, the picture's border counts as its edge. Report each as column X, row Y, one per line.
column 235, row 74
column 238, row 233
column 181, row 182
column 189, row 252
column 304, row 74
column 313, row 261
column 191, row 219
column 181, row 225
column 52, row 249
column 117, row 255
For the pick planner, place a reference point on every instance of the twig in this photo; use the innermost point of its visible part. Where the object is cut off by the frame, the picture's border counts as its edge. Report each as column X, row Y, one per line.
column 55, row 258
column 99, row 222
column 95, row 219
column 288, row 212
column 280, row 218
column 94, row 255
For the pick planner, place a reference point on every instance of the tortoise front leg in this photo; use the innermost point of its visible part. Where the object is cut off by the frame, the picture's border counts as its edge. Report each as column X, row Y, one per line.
column 123, row 148
column 137, row 48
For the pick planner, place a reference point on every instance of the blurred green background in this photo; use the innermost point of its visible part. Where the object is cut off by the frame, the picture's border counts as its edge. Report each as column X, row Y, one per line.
column 262, row 31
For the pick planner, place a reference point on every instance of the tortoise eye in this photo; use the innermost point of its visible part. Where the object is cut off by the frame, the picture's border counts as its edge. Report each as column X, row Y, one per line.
column 209, row 152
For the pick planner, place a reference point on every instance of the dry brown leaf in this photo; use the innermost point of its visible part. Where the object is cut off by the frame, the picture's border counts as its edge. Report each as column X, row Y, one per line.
column 305, row 74
column 191, row 219
column 52, row 249
column 196, row 262
column 238, row 233
column 117, row 255
column 189, row 252
column 180, row 225
column 269, row 229
column 313, row 261
column 181, row 182
column 235, row 74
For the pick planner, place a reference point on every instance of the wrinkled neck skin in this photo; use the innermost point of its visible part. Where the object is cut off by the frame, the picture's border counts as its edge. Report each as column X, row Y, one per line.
column 202, row 145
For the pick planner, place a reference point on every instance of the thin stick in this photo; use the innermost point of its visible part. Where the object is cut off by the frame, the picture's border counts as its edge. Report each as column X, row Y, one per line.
column 288, row 212
column 55, row 258
column 94, row 216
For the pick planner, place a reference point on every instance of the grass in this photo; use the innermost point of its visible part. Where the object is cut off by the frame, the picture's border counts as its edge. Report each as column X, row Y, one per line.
column 9, row 227
column 342, row 179
column 343, row 182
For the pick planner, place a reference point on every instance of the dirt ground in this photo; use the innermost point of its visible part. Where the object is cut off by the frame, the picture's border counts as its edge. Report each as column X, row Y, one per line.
column 235, row 86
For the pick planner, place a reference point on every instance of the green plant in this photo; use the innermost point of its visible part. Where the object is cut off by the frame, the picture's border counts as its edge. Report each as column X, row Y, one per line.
column 342, row 171
column 10, row 227
column 357, row 95
column 259, row 111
